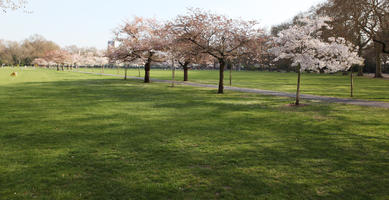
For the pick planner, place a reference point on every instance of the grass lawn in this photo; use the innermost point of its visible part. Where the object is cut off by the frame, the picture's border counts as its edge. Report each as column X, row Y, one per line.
column 316, row 84
column 65, row 135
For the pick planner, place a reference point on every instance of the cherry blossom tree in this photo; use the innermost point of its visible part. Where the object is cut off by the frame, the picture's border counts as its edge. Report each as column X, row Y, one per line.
column 140, row 40
column 40, row 62
column 218, row 36
column 303, row 44
column 181, row 51
column 184, row 54
column 100, row 59
column 86, row 57
column 58, row 58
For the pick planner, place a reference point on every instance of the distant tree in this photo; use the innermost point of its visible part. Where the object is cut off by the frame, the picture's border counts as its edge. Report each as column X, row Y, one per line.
column 302, row 43
column 182, row 51
column 348, row 21
column 140, row 40
column 219, row 36
column 14, row 53
column 23, row 53
column 58, row 58
column 360, row 22
column 36, row 46
column 2, row 49
column 377, row 16
column 40, row 62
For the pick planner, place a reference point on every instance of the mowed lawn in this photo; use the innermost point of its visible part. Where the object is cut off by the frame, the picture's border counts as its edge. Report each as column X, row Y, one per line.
column 65, row 135
column 317, row 84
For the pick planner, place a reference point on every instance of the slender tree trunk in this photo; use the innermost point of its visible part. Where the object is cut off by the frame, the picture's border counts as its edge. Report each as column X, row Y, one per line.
column 57, row 67
column 173, row 74
column 125, row 73
column 185, row 71
column 138, row 71
column 147, row 72
column 352, row 82
column 222, row 63
column 62, row 68
column 230, row 74
column 298, row 85
column 360, row 70
column 378, row 71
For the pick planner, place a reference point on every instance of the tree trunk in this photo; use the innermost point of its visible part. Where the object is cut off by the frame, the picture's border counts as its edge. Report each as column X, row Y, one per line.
column 360, row 67
column 298, row 85
column 229, row 66
column 147, row 72
column 230, row 75
column 222, row 63
column 173, row 74
column 62, row 68
column 138, row 71
column 378, row 71
column 57, row 67
column 125, row 73
column 360, row 70
column 352, row 82
column 185, row 71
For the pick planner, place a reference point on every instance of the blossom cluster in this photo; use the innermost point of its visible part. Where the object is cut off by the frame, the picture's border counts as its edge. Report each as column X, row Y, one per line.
column 304, row 45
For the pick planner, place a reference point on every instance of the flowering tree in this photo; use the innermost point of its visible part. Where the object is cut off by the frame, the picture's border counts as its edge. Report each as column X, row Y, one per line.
column 218, row 36
column 184, row 54
column 303, row 44
column 57, row 57
column 100, row 59
column 140, row 40
column 182, row 51
column 40, row 62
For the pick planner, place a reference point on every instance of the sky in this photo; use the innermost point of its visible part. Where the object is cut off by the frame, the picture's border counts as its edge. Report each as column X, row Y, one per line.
column 90, row 23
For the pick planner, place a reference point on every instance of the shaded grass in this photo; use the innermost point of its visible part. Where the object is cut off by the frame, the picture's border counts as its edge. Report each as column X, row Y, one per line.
column 316, row 84
column 75, row 136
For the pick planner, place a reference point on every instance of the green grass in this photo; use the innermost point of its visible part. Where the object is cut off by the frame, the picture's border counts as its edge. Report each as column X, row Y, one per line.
column 316, row 84
column 65, row 135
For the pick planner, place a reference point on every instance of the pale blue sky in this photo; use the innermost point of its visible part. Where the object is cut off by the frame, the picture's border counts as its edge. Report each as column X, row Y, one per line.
column 90, row 22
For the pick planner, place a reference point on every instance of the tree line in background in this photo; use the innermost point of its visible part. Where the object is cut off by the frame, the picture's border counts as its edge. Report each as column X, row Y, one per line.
column 36, row 50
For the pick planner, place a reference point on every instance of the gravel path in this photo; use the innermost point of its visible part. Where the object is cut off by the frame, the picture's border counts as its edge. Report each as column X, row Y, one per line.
column 268, row 92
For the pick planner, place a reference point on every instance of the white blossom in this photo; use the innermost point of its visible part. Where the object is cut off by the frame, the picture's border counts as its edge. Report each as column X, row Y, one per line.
column 303, row 44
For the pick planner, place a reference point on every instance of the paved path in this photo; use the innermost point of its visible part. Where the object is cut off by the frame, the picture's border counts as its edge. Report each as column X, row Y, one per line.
column 268, row 92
